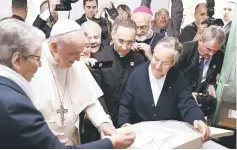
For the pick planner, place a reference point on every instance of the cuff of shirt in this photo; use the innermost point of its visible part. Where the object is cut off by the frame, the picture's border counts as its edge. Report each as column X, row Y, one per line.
column 45, row 15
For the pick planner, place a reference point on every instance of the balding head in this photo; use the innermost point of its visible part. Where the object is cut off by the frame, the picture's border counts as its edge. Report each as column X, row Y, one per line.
column 228, row 11
column 143, row 23
column 162, row 18
column 200, row 14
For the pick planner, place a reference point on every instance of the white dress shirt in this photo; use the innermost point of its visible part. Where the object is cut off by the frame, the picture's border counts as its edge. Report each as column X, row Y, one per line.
column 156, row 85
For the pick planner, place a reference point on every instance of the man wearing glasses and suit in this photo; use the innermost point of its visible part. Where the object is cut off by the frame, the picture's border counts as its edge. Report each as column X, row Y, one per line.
column 202, row 60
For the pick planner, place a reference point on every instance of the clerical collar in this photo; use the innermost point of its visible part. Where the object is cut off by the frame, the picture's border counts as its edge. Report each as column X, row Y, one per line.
column 18, row 18
column 117, row 52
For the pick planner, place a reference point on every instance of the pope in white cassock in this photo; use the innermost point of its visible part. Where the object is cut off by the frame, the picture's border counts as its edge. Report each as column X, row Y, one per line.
column 64, row 87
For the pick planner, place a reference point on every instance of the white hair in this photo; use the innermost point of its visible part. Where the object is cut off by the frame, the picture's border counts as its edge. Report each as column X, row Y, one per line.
column 214, row 33
column 171, row 45
column 89, row 25
column 18, row 36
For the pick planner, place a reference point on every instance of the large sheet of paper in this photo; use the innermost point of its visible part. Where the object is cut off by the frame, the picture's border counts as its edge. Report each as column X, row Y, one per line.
column 170, row 134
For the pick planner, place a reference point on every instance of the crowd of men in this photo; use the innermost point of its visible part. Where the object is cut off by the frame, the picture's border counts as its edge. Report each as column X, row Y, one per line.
column 83, row 83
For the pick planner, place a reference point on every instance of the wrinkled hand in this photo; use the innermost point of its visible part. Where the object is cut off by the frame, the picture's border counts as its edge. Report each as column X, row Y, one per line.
column 146, row 48
column 124, row 139
column 59, row 135
column 203, row 128
column 53, row 4
column 107, row 129
column 211, row 90
column 89, row 61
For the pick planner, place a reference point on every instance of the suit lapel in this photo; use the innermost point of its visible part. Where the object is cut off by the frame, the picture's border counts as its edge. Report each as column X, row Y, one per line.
column 147, row 85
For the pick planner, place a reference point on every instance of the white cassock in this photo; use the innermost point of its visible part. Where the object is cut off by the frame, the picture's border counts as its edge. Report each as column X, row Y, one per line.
column 77, row 90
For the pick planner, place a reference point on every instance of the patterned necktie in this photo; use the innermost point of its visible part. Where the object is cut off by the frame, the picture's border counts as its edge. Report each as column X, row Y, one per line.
column 162, row 32
column 199, row 78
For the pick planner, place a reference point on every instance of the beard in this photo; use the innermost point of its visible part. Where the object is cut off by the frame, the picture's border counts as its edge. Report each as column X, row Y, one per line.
column 141, row 38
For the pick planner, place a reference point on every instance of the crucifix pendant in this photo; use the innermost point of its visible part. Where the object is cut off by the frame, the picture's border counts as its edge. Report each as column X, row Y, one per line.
column 62, row 111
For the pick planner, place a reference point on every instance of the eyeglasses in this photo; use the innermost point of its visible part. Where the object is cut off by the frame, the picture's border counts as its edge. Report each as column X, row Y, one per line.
column 163, row 64
column 39, row 57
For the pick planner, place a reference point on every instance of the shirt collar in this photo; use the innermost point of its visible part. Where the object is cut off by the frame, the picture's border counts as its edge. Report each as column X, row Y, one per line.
column 153, row 78
column 18, row 17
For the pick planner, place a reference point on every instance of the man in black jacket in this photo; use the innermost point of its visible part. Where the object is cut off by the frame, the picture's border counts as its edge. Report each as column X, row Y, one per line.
column 194, row 30
column 202, row 60
column 93, row 13
column 47, row 16
column 112, row 80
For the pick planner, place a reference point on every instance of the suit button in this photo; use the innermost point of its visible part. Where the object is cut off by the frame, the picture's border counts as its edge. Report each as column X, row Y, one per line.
column 153, row 105
column 154, row 115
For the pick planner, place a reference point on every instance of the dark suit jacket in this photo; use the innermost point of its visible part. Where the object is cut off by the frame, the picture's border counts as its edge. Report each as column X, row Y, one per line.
column 189, row 64
column 137, row 104
column 112, row 80
column 188, row 33
column 42, row 25
column 22, row 126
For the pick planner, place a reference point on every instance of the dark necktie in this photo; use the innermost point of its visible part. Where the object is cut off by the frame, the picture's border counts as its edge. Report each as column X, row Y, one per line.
column 199, row 78
column 162, row 32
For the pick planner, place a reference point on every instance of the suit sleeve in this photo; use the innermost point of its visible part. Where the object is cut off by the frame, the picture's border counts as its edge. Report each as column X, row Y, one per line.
column 39, row 23
column 125, row 104
column 187, row 105
column 187, row 34
column 176, row 16
column 29, row 124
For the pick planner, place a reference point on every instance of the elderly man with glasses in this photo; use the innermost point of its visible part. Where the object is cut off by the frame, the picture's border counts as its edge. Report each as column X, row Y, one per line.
column 158, row 91
column 202, row 60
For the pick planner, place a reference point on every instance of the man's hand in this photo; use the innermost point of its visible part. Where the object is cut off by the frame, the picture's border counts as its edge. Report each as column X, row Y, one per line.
column 107, row 129
column 146, row 48
column 124, row 139
column 203, row 128
column 211, row 90
column 59, row 135
column 200, row 31
column 89, row 61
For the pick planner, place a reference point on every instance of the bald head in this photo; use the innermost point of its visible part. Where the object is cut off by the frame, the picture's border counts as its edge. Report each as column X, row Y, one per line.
column 162, row 18
column 200, row 14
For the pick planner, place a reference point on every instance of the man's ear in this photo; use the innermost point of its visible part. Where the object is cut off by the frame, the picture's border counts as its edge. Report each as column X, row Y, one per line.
column 54, row 46
column 16, row 60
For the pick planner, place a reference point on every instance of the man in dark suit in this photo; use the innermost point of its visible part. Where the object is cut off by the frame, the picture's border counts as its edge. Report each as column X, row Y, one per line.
column 202, row 60
column 193, row 31
column 158, row 91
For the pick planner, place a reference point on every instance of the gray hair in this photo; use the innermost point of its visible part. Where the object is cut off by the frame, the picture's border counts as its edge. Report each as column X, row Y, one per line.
column 214, row 33
column 18, row 36
column 172, row 45
column 88, row 25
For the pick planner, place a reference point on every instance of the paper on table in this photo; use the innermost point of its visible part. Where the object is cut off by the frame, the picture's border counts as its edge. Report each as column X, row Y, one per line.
column 232, row 114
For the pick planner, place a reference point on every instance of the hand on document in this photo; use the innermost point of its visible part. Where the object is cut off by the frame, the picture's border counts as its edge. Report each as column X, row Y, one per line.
column 123, row 138
column 204, row 129
column 59, row 135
